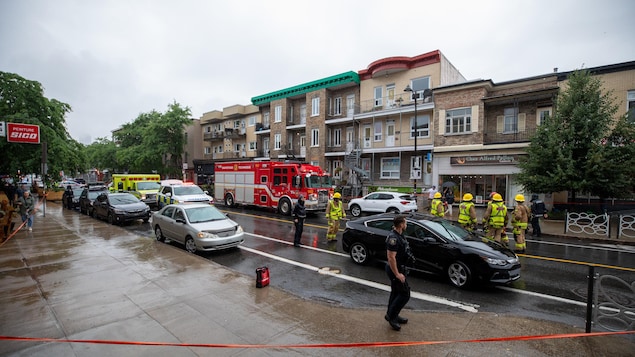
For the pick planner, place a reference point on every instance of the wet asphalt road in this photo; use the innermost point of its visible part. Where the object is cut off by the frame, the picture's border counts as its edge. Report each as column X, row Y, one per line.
column 553, row 284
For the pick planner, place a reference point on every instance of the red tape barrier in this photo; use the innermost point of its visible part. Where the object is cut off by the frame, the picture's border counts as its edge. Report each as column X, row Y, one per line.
column 326, row 345
column 12, row 234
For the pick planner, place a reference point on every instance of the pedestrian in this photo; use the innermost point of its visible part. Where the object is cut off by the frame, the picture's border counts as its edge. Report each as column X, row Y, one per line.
column 448, row 196
column 11, row 191
column 6, row 219
column 68, row 197
column 467, row 213
column 431, row 191
column 334, row 213
column 436, row 207
column 520, row 218
column 495, row 218
column 538, row 210
column 299, row 214
column 26, row 204
column 399, row 255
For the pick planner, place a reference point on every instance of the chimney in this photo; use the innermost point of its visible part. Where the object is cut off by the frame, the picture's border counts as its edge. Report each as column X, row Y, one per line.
column 555, row 69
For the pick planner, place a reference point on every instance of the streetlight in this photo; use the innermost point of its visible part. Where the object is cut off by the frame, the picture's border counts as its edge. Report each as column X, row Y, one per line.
column 415, row 96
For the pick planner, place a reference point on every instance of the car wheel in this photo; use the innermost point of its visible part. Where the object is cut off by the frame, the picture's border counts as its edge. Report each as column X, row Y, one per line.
column 111, row 218
column 190, row 246
column 359, row 253
column 229, row 200
column 393, row 210
column 284, row 207
column 159, row 234
column 356, row 211
column 459, row 274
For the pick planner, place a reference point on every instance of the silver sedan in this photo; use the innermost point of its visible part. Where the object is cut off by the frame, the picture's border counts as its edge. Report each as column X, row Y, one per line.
column 198, row 226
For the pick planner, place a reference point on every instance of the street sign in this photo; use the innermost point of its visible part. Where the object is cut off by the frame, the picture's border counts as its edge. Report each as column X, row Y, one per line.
column 23, row 133
column 2, row 131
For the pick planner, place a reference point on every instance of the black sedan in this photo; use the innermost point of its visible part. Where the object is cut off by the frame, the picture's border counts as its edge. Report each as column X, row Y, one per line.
column 440, row 247
column 118, row 208
column 88, row 196
column 71, row 201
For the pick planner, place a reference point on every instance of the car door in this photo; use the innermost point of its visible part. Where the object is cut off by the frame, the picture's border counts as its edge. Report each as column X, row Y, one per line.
column 179, row 225
column 374, row 236
column 371, row 203
column 100, row 206
column 165, row 222
column 427, row 248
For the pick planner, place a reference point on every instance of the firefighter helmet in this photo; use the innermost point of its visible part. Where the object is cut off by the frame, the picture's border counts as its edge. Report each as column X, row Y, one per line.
column 337, row 195
column 497, row 197
column 468, row 197
column 437, row 195
column 519, row 198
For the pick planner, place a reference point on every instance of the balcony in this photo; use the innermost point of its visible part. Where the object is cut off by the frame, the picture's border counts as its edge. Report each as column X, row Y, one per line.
column 508, row 138
column 389, row 103
column 212, row 136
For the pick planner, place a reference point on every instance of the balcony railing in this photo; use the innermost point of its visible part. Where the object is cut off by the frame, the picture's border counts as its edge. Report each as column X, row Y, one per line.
column 387, row 103
column 509, row 137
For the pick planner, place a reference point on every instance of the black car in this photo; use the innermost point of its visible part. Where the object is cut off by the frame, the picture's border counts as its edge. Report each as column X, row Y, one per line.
column 88, row 195
column 72, row 201
column 118, row 208
column 440, row 247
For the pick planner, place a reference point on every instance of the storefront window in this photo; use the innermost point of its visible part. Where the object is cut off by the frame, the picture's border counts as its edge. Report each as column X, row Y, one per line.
column 480, row 186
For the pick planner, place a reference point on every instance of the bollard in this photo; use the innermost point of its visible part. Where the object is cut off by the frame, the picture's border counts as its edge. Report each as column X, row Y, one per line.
column 589, row 300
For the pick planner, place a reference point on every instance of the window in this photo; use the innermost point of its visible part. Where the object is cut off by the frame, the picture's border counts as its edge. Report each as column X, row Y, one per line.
column 543, row 114
column 390, row 168
column 253, row 146
column 303, row 114
column 423, row 126
column 218, row 149
column 277, row 116
column 237, row 147
column 277, row 141
column 265, row 120
column 378, row 96
column 236, row 124
column 510, row 121
column 252, row 120
column 337, row 164
column 208, row 129
column 315, row 106
column 418, row 85
column 337, row 106
column 315, row 137
column 208, row 150
column 630, row 104
column 378, row 125
column 458, row 121
column 337, row 137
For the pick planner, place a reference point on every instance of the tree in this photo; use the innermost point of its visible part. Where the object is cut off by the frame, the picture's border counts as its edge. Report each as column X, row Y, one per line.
column 582, row 148
column 102, row 154
column 23, row 101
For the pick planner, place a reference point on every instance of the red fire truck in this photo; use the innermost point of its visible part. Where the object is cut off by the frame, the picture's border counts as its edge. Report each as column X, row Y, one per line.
column 273, row 184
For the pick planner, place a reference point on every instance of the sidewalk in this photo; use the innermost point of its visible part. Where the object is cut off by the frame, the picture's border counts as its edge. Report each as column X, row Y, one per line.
column 77, row 278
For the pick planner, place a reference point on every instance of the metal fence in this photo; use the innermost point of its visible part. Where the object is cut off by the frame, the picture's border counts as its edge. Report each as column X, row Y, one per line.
column 613, row 307
column 600, row 224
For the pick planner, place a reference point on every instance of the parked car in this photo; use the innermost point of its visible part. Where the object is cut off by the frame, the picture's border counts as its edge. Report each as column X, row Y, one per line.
column 64, row 184
column 440, row 247
column 198, row 226
column 119, row 208
column 88, row 196
column 176, row 191
column 380, row 202
column 72, row 202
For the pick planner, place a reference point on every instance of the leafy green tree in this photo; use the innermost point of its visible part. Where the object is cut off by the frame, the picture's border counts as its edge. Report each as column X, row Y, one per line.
column 101, row 154
column 582, row 148
column 23, row 101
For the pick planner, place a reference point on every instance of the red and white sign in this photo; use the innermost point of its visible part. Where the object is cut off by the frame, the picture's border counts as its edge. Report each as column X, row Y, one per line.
column 23, row 133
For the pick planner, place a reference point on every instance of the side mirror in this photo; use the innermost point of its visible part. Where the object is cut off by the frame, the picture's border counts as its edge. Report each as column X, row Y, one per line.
column 180, row 220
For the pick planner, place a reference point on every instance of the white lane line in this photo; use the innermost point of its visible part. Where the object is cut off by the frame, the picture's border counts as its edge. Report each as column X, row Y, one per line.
column 595, row 246
column 372, row 284
column 544, row 296
column 291, row 243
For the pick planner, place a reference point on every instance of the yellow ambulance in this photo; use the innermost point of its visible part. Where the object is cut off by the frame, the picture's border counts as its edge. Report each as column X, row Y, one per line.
column 144, row 186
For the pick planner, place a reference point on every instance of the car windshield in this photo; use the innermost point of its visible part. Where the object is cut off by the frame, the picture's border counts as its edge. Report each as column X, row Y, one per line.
column 315, row 181
column 77, row 192
column 203, row 214
column 447, row 230
column 188, row 190
column 122, row 199
column 148, row 185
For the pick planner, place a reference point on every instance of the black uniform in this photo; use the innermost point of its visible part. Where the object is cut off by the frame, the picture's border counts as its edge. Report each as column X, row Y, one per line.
column 399, row 292
column 299, row 214
column 538, row 209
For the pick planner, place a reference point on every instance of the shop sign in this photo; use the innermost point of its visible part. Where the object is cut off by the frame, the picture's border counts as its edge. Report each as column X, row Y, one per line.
column 485, row 160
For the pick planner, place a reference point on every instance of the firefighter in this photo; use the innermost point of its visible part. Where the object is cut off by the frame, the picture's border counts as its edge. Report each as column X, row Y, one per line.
column 467, row 213
column 334, row 213
column 495, row 218
column 520, row 218
column 436, row 207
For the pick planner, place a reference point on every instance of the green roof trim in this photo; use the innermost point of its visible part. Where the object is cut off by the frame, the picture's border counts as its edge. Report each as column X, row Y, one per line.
column 339, row 79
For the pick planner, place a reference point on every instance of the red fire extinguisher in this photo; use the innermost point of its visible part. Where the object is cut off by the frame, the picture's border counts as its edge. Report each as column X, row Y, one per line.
column 262, row 277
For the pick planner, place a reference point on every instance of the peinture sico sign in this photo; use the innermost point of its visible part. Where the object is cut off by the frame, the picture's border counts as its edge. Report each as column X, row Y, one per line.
column 23, row 133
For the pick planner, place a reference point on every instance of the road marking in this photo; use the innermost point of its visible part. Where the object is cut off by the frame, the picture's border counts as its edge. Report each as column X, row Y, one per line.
column 577, row 262
column 291, row 243
column 594, row 246
column 372, row 284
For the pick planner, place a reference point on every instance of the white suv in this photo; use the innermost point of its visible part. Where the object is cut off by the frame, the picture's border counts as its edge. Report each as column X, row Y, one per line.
column 175, row 191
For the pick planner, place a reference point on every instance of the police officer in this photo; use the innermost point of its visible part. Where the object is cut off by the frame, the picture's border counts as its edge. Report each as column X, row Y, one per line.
column 538, row 209
column 399, row 255
column 436, row 207
column 334, row 213
column 299, row 214
column 467, row 213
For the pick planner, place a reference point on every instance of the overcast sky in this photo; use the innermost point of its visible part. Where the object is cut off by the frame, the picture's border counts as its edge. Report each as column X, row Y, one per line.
column 112, row 60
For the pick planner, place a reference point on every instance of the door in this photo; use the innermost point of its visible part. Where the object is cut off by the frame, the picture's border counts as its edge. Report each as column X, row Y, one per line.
column 368, row 135
column 350, row 137
column 350, row 106
column 265, row 147
column 390, row 97
column 303, row 145
column 390, row 133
